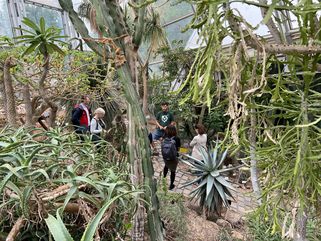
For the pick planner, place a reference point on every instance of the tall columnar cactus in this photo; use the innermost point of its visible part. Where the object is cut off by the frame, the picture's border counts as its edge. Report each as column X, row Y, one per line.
column 110, row 14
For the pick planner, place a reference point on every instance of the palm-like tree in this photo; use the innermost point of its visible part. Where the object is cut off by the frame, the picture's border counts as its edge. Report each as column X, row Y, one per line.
column 43, row 41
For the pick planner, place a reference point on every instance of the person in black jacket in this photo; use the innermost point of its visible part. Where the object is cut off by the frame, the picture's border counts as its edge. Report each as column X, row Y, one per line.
column 171, row 165
column 81, row 116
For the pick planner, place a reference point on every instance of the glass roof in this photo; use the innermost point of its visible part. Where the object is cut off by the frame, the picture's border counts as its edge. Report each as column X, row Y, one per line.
column 174, row 16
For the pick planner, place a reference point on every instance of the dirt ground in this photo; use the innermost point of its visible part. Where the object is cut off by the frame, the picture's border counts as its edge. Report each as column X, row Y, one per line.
column 200, row 229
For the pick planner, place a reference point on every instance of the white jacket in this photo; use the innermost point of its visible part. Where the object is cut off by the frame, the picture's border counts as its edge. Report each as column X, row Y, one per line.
column 198, row 142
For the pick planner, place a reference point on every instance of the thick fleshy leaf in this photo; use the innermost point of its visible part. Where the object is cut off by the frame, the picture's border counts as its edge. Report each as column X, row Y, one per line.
column 225, row 183
column 209, row 186
column 192, row 182
column 220, row 190
column 93, row 225
column 70, row 194
column 57, row 228
column 222, row 159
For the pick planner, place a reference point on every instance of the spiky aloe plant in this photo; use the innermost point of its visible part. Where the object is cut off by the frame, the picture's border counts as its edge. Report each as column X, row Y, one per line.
column 213, row 190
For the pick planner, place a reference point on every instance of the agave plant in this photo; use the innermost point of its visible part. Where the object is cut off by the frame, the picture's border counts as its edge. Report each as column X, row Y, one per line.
column 213, row 190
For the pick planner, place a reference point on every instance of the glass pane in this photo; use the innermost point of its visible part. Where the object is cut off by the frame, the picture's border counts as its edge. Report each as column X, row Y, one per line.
column 174, row 31
column 155, row 70
column 5, row 26
column 51, row 16
column 170, row 10
column 253, row 16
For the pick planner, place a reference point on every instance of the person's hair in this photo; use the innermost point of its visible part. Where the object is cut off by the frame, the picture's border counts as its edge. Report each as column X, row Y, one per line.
column 165, row 103
column 100, row 111
column 200, row 128
column 84, row 97
column 171, row 131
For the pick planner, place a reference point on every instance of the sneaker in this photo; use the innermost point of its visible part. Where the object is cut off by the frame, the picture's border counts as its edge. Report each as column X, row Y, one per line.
column 171, row 187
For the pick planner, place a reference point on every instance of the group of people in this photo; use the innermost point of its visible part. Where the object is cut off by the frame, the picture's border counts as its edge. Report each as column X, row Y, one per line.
column 166, row 132
column 84, row 122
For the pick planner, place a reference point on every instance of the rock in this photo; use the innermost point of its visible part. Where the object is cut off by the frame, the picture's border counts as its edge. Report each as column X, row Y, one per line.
column 237, row 235
column 223, row 223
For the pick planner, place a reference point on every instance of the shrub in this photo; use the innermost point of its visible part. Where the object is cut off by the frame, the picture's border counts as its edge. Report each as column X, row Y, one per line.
column 172, row 213
column 42, row 172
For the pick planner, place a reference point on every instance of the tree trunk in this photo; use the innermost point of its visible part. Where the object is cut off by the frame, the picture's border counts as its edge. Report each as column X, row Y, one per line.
column 11, row 105
column 28, row 105
column 142, row 150
column 137, row 178
column 254, row 171
column 201, row 117
column 43, row 92
column 3, row 94
column 270, row 24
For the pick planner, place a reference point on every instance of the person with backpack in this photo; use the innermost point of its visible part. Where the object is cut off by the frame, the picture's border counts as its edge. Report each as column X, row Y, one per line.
column 199, row 142
column 97, row 125
column 170, row 147
column 81, row 116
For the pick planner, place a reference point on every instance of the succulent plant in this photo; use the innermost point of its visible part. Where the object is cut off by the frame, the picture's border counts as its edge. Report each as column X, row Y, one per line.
column 213, row 190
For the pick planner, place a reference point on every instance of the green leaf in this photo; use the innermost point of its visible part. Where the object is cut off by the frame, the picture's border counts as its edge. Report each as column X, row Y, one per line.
column 31, row 24
column 220, row 190
column 31, row 48
column 57, row 228
column 209, row 186
column 25, row 202
column 55, row 48
column 93, row 225
column 222, row 180
column 222, row 159
column 41, row 172
column 42, row 25
column 71, row 192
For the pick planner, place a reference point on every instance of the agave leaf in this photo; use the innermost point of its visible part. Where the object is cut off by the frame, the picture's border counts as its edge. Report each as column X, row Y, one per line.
column 192, row 182
column 225, row 183
column 220, row 190
column 209, row 186
column 210, row 198
column 215, row 173
column 222, row 159
column 200, row 186
column 214, row 154
column 194, row 159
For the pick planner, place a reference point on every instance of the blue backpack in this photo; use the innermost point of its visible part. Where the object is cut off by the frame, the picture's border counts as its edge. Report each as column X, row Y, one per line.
column 169, row 150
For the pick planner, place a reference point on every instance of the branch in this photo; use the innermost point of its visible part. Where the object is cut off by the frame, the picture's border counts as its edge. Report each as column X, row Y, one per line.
column 271, row 24
column 79, row 25
column 16, row 229
column 254, row 42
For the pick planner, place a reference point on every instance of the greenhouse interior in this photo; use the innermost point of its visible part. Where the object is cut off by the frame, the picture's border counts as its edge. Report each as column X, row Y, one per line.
column 160, row 120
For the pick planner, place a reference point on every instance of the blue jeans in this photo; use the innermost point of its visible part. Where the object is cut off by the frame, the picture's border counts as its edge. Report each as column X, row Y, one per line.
column 157, row 134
